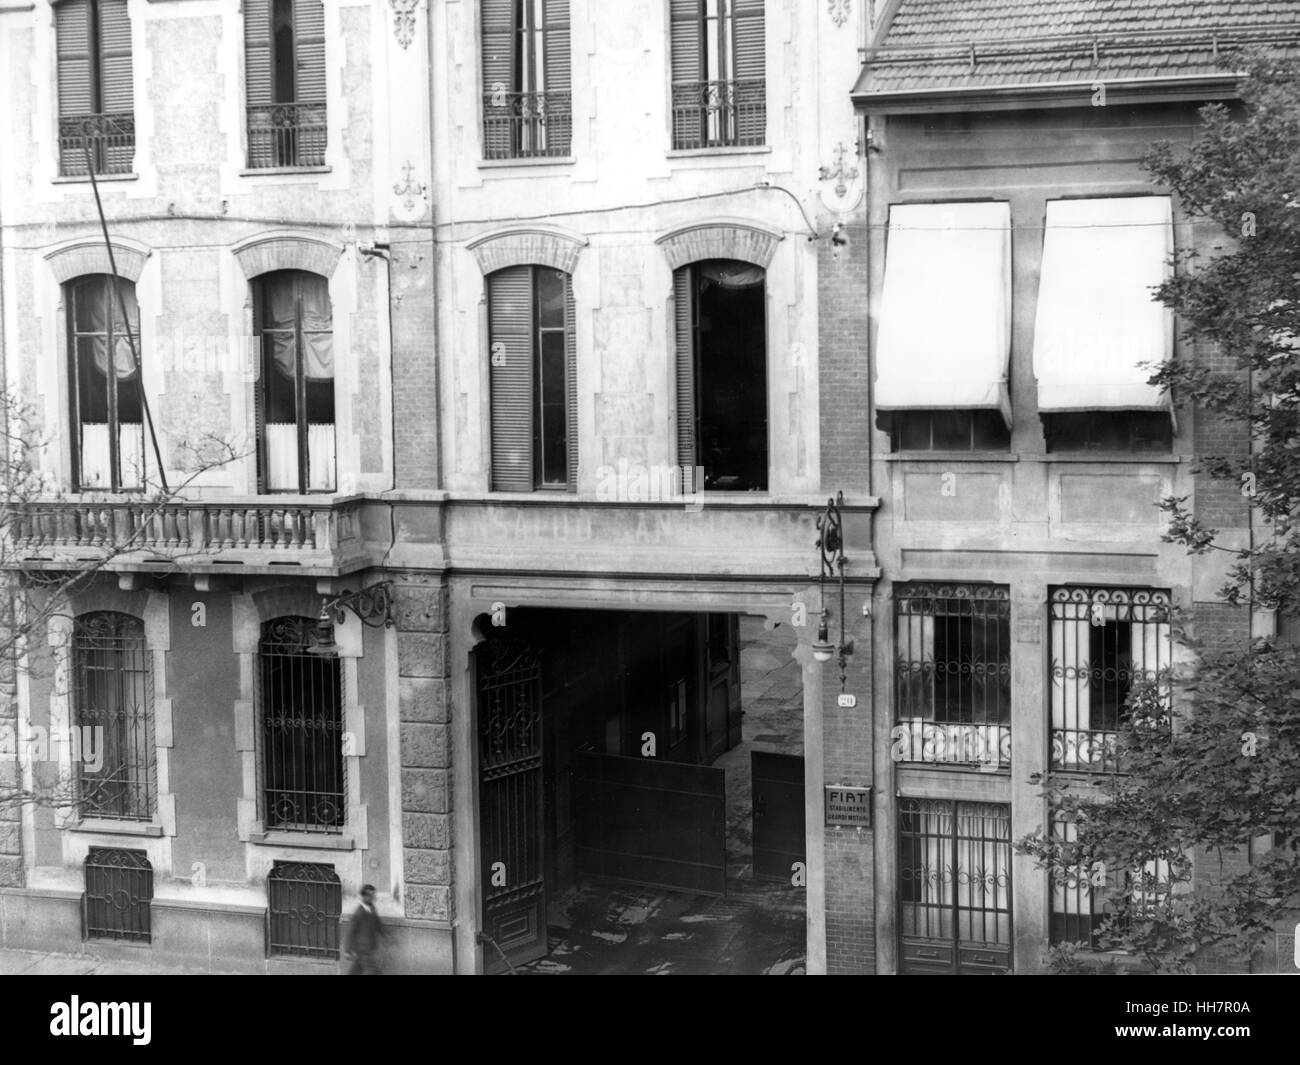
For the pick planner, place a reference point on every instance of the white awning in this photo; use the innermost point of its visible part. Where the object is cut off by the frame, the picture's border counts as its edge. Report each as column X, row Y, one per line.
column 1097, row 318
column 945, row 319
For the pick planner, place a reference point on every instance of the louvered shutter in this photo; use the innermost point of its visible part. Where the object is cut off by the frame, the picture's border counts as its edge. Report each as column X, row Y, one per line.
column 498, row 36
column 259, row 385
column 558, row 78
column 751, row 72
column 684, row 321
column 75, row 79
column 687, row 73
column 257, row 81
column 116, row 96
column 309, row 80
column 571, row 382
column 510, row 339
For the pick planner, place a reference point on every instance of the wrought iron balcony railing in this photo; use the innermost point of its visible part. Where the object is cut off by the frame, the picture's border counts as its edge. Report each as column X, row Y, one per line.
column 318, row 535
column 527, row 125
column 286, row 135
column 110, row 137
column 720, row 114
column 1087, row 750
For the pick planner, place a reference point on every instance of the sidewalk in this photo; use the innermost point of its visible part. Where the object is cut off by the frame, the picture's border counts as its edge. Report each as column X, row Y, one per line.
column 37, row 963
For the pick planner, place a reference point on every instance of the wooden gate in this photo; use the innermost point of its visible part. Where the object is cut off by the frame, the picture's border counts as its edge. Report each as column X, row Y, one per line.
column 778, row 837
column 662, row 824
column 510, row 804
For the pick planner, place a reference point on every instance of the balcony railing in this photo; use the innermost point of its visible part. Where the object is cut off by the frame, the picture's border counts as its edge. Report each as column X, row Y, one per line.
column 286, row 135
column 111, row 138
column 317, row 535
column 719, row 114
column 1091, row 750
column 527, row 125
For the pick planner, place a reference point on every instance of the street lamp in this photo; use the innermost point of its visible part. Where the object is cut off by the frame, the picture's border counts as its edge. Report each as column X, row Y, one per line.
column 372, row 605
column 830, row 544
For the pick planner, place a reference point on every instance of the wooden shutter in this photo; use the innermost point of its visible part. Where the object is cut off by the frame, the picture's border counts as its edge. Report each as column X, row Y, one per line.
column 72, row 28
column 510, row 341
column 751, row 72
column 684, row 321
column 115, row 56
column 259, row 384
column 687, row 73
column 257, row 52
column 557, row 77
column 309, row 51
column 571, row 383
column 497, row 31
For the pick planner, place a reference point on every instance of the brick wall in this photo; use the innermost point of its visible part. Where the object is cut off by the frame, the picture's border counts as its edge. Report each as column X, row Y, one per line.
column 415, row 373
column 843, row 368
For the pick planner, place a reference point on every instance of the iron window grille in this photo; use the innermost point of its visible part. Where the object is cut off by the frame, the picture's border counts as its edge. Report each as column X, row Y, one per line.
column 1105, row 643
column 119, row 890
column 93, row 43
column 527, row 102
column 301, row 699
column 952, row 674
column 304, row 906
column 284, row 56
column 113, row 706
column 719, row 91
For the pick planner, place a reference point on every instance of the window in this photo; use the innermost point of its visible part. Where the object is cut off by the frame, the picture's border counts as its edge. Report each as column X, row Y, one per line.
column 533, row 379
column 1104, row 642
column 305, row 903
column 946, row 430
column 952, row 674
column 301, row 698
column 284, row 57
column 719, row 73
column 119, row 890
column 295, row 391
column 527, row 103
column 107, row 438
column 114, row 717
column 1114, row 431
column 944, row 343
column 720, row 308
column 94, row 76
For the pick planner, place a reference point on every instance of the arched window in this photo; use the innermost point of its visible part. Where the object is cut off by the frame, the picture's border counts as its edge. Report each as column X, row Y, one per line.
column 301, row 706
column 720, row 310
column 295, row 390
column 533, row 379
column 107, row 413
column 112, row 706
column 95, row 98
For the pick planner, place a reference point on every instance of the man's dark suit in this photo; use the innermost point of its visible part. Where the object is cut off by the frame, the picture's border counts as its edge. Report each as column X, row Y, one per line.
column 365, row 931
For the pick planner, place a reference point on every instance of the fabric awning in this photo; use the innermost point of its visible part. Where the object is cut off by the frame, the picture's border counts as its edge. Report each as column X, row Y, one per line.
column 1097, row 318
column 945, row 318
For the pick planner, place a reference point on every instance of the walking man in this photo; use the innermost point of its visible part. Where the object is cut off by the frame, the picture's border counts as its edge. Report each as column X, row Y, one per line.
column 361, row 945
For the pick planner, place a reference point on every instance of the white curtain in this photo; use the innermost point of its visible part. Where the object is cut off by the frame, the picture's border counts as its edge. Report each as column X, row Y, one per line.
column 320, row 457
column 282, row 457
column 96, row 464
column 945, row 319
column 1097, row 320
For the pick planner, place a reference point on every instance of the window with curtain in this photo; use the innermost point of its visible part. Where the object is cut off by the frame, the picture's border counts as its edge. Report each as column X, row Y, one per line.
column 295, row 392
column 284, row 78
column 112, row 706
column 301, row 709
column 533, row 371
column 107, row 416
column 720, row 309
column 952, row 673
column 719, row 76
column 526, row 61
column 1105, row 642
column 96, row 115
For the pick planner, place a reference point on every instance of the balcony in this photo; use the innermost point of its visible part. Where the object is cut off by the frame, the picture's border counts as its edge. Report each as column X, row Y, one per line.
column 719, row 114
column 309, row 535
column 110, row 137
column 527, row 125
column 286, row 135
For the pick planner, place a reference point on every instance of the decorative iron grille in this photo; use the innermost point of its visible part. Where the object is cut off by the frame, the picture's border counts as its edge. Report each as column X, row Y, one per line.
column 1105, row 642
column 286, row 135
column 719, row 114
column 952, row 674
column 119, row 889
column 113, row 706
column 527, row 125
column 110, row 137
column 302, row 728
column 304, row 904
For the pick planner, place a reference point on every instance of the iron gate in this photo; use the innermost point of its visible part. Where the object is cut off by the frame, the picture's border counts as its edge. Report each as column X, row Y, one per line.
column 954, row 886
column 512, row 830
column 119, row 889
column 305, row 902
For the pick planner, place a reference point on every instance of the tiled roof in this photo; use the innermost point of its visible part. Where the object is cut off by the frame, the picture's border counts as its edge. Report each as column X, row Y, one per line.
column 963, row 44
